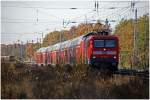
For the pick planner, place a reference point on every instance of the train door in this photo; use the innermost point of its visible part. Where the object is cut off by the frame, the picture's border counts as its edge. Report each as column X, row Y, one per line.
column 66, row 56
column 87, row 44
column 52, row 57
column 80, row 53
column 48, row 57
column 68, row 51
column 74, row 55
column 63, row 57
column 77, row 55
column 83, row 51
column 57, row 57
column 71, row 55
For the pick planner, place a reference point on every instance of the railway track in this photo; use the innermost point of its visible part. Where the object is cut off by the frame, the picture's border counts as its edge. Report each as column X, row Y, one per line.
column 133, row 73
column 123, row 72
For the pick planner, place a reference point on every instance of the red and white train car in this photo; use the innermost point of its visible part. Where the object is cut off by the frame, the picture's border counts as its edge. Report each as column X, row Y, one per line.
column 93, row 49
column 41, row 56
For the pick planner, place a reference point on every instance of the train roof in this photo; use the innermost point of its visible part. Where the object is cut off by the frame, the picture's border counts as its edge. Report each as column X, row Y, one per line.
column 55, row 47
column 49, row 48
column 98, row 35
column 65, row 44
column 72, row 42
column 39, row 50
column 76, row 41
column 105, row 36
column 43, row 49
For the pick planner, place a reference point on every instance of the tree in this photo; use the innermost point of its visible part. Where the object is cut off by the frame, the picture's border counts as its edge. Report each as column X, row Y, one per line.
column 124, row 30
column 75, row 31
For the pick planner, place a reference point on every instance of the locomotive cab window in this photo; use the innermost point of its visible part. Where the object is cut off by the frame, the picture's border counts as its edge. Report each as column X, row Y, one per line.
column 104, row 43
column 110, row 43
column 98, row 43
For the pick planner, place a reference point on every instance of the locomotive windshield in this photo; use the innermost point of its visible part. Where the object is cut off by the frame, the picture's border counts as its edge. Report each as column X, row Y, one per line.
column 104, row 43
column 110, row 43
column 98, row 43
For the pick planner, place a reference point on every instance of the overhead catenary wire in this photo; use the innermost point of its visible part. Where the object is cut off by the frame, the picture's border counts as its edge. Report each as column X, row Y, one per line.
column 45, row 22
column 59, row 8
column 38, row 18
column 55, row 16
column 28, row 22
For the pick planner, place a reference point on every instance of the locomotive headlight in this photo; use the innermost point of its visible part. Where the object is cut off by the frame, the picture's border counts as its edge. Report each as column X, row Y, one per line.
column 94, row 57
column 114, row 57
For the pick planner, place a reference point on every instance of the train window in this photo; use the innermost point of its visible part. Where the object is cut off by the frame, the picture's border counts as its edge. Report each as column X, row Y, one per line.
column 110, row 43
column 98, row 43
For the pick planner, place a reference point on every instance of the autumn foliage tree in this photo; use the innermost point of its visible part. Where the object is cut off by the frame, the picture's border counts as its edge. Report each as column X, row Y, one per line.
column 75, row 31
column 31, row 49
column 125, row 32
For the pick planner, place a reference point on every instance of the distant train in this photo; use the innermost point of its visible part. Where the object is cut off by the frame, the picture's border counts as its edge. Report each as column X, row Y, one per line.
column 95, row 49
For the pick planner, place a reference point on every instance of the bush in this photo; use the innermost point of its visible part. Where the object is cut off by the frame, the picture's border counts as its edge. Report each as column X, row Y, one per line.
column 135, row 89
column 68, row 82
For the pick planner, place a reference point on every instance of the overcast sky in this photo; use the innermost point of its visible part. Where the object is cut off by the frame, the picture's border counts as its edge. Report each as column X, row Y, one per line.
column 26, row 20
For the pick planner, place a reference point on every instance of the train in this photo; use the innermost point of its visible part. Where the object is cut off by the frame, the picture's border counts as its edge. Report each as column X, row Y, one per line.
column 96, row 49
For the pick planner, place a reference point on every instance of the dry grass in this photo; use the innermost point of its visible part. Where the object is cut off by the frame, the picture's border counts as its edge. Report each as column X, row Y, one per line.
column 67, row 82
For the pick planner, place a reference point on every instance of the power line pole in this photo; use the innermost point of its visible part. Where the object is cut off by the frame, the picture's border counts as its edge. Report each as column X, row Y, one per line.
column 60, row 40
column 26, row 50
column 41, row 40
column 20, row 49
column 135, row 38
column 32, row 47
column 134, row 35
column 21, row 54
column 42, row 35
column 97, row 7
column 86, row 19
column 86, row 22
column 61, row 33
column 37, row 43
column 37, row 15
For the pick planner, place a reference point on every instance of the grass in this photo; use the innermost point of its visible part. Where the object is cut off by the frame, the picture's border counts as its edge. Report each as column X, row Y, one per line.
column 66, row 82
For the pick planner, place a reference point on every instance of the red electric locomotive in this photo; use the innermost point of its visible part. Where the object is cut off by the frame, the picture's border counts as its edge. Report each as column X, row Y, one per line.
column 94, row 49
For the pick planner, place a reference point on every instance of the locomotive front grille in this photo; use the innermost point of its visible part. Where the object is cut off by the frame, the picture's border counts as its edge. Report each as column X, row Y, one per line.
column 104, row 52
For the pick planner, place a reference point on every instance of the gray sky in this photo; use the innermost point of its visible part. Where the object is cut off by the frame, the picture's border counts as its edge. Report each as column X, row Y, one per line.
column 26, row 20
